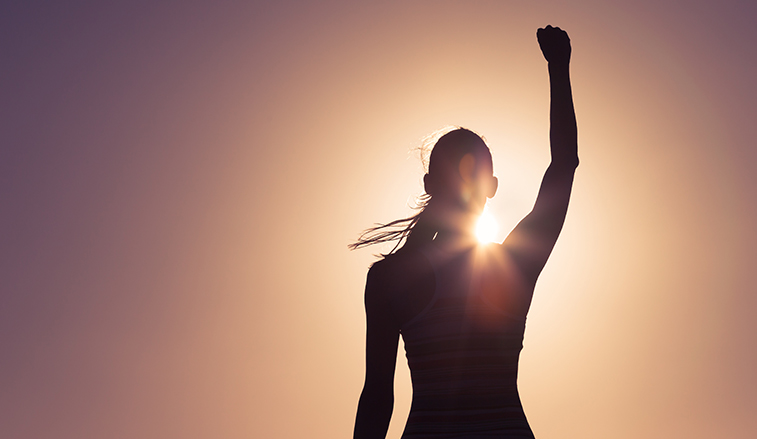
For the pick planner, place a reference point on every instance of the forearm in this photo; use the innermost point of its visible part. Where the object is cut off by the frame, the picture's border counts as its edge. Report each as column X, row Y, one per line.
column 373, row 414
column 563, row 133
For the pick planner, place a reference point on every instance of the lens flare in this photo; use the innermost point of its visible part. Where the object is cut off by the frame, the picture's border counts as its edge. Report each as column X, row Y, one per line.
column 486, row 227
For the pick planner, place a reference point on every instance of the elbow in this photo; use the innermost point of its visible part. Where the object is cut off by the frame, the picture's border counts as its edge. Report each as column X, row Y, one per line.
column 378, row 396
column 569, row 163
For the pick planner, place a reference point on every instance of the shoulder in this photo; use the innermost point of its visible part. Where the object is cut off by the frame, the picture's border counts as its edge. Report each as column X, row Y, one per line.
column 404, row 264
column 397, row 273
column 399, row 286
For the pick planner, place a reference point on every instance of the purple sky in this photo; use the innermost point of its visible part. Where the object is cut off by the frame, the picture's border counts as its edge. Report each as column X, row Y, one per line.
column 179, row 182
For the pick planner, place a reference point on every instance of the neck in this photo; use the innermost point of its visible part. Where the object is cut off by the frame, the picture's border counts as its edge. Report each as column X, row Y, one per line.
column 455, row 240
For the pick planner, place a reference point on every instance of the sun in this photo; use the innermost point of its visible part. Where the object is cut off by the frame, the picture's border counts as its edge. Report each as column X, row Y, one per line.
column 486, row 227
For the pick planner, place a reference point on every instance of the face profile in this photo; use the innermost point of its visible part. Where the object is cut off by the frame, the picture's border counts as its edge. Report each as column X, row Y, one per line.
column 479, row 182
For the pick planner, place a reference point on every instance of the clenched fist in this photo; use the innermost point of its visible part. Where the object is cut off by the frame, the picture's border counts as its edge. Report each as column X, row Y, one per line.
column 555, row 44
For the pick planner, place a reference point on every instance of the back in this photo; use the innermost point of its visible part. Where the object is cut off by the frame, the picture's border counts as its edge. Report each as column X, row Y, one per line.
column 463, row 350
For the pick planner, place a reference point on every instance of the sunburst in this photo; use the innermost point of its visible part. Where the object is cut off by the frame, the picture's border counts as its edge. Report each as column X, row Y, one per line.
column 486, row 227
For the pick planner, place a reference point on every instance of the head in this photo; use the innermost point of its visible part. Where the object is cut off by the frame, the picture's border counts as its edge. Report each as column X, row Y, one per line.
column 460, row 177
column 459, row 181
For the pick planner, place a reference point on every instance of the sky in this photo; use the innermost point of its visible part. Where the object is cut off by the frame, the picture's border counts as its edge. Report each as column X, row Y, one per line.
column 179, row 182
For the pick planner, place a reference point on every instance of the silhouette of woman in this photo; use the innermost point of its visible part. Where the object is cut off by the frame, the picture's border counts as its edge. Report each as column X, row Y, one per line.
column 459, row 306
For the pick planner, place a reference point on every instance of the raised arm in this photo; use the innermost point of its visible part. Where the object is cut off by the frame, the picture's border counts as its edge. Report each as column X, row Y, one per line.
column 382, row 336
column 531, row 242
column 563, row 133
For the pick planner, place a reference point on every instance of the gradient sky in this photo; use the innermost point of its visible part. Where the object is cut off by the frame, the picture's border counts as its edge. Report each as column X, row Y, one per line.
column 179, row 182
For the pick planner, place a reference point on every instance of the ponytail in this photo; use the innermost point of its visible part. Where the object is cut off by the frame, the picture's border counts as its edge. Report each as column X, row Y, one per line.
column 413, row 230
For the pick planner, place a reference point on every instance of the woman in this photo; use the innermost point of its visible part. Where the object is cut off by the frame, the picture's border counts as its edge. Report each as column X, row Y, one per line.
column 461, row 307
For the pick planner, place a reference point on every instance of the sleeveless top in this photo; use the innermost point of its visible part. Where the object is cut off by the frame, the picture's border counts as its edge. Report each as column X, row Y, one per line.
column 463, row 354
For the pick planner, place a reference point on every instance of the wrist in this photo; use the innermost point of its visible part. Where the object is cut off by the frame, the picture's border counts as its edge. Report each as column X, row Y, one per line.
column 558, row 65
column 559, row 69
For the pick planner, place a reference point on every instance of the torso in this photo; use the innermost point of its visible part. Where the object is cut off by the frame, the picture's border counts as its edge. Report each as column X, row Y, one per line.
column 462, row 317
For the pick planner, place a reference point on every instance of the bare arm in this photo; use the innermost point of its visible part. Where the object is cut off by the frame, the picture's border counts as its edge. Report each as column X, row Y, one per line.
column 532, row 241
column 377, row 399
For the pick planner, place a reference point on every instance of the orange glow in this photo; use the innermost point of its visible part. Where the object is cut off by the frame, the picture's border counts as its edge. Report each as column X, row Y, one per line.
column 178, row 186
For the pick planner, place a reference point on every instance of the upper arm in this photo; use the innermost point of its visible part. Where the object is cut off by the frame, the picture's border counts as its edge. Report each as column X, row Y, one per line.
column 382, row 336
column 382, row 332
column 532, row 240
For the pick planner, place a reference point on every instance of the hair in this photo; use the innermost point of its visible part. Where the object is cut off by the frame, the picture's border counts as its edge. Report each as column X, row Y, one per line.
column 450, row 144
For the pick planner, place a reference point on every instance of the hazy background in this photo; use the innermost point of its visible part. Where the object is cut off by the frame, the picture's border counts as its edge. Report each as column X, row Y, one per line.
column 179, row 182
